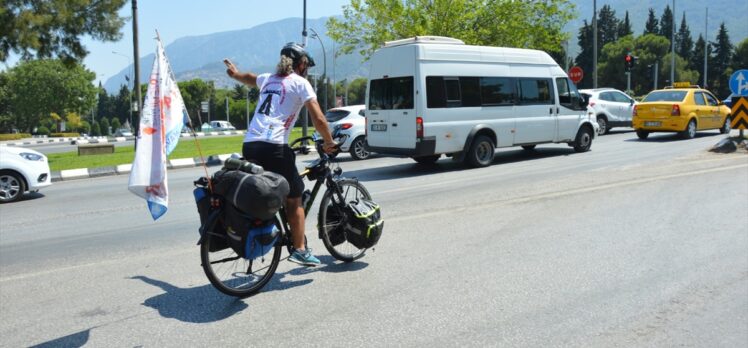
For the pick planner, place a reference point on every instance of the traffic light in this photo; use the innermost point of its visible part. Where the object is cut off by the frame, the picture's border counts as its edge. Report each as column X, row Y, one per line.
column 629, row 62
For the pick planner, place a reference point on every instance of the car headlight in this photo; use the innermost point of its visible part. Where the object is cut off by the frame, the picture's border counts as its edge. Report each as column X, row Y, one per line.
column 31, row 156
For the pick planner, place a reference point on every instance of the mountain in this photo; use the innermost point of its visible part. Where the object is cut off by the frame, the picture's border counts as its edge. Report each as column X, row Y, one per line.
column 256, row 49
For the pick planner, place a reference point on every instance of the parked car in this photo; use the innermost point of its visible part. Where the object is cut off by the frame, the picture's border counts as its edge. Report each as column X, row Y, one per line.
column 611, row 107
column 218, row 126
column 350, row 121
column 684, row 109
column 123, row 132
column 21, row 170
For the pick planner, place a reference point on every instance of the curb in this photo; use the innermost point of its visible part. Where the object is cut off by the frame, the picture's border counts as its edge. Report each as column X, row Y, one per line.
column 104, row 140
column 85, row 173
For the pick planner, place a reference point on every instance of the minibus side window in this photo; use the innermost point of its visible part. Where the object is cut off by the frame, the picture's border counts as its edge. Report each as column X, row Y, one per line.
column 535, row 91
column 452, row 88
column 564, row 95
column 470, row 90
column 435, row 97
column 497, row 91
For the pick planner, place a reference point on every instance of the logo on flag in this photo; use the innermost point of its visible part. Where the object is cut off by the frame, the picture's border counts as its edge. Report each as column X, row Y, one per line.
column 161, row 121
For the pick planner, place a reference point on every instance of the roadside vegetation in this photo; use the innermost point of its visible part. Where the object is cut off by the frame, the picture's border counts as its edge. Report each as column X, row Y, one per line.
column 187, row 148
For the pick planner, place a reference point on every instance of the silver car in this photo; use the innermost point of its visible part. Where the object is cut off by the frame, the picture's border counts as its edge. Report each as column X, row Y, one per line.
column 612, row 108
column 349, row 121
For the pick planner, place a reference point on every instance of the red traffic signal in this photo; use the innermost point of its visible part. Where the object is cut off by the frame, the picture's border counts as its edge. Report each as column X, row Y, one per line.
column 629, row 60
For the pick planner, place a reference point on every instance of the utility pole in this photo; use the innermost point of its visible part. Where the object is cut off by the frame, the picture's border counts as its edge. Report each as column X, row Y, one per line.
column 136, row 55
column 304, row 127
column 706, row 42
column 672, row 51
column 594, row 43
column 227, row 108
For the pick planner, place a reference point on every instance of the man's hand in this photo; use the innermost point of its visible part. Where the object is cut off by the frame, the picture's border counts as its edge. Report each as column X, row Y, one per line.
column 231, row 68
column 330, row 148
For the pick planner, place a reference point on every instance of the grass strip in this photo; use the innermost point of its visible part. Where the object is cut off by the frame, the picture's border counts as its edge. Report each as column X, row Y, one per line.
column 186, row 148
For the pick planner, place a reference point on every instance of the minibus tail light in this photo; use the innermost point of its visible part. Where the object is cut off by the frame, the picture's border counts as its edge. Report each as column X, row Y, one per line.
column 419, row 127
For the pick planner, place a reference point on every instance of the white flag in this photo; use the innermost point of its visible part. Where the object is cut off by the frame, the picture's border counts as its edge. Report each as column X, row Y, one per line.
column 161, row 120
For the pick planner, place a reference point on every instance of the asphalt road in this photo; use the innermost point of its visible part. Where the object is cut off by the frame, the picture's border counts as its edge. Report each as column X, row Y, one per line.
column 631, row 244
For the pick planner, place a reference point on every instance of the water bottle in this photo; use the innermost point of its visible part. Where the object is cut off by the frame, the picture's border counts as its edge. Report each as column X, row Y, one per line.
column 305, row 196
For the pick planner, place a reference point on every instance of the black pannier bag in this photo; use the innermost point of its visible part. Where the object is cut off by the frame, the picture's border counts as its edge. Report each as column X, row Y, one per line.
column 217, row 235
column 364, row 223
column 257, row 195
column 249, row 237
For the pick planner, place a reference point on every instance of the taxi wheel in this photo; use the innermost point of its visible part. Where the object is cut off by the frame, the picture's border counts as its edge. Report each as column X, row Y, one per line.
column 642, row 134
column 690, row 131
column 726, row 127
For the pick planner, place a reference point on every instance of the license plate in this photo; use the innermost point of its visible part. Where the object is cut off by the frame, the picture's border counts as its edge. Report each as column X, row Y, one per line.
column 379, row 127
column 652, row 124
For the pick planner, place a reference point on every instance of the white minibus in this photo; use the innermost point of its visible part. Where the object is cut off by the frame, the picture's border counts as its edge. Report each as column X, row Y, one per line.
column 429, row 96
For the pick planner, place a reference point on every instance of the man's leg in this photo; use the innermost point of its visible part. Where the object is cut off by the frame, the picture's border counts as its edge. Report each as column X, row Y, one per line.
column 295, row 214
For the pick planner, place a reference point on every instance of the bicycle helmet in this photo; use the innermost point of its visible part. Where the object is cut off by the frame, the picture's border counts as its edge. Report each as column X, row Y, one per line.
column 295, row 52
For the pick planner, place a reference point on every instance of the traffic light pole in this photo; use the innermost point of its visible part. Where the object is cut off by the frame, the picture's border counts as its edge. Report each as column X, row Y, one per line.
column 628, row 82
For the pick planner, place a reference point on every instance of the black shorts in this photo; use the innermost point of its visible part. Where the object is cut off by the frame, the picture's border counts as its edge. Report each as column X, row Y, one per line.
column 278, row 159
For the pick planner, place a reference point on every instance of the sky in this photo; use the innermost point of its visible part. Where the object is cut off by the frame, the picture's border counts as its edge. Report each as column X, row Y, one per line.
column 175, row 19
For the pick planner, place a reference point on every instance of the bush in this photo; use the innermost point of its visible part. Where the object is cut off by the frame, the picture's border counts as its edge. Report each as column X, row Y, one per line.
column 104, row 123
column 14, row 136
column 42, row 130
column 115, row 124
column 64, row 135
column 95, row 130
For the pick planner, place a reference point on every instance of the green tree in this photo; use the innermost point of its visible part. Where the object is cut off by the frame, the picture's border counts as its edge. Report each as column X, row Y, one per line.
column 696, row 58
column 104, row 123
column 624, row 27
column 104, row 103
column 366, row 25
column 357, row 91
column 719, row 65
column 121, row 107
column 116, row 124
column 683, row 41
column 740, row 58
column 96, row 129
column 607, row 26
column 45, row 86
column 5, row 97
column 54, row 27
column 667, row 22
column 239, row 92
column 194, row 92
column 652, row 25
column 584, row 58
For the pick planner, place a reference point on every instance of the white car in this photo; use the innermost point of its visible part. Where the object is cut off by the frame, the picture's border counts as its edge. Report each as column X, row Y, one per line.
column 21, row 170
column 612, row 107
column 218, row 126
column 350, row 122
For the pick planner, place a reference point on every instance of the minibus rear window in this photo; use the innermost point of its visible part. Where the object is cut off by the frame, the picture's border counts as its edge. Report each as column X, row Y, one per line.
column 391, row 93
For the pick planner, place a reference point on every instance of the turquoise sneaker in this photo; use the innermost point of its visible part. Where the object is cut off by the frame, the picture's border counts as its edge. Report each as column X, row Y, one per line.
column 304, row 258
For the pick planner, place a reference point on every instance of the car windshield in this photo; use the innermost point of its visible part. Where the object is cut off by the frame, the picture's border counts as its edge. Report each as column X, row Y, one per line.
column 666, row 96
column 336, row 115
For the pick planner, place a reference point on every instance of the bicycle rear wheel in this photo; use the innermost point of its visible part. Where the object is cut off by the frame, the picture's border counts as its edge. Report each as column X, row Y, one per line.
column 331, row 220
column 234, row 275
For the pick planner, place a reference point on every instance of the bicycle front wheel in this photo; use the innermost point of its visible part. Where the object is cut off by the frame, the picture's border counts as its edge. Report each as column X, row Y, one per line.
column 331, row 220
column 234, row 275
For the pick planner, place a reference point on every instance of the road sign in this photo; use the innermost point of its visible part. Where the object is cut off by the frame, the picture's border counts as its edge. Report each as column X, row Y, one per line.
column 739, row 113
column 204, row 106
column 576, row 74
column 739, row 82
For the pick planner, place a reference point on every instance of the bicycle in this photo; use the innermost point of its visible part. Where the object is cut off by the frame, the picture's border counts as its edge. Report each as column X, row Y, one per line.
column 234, row 275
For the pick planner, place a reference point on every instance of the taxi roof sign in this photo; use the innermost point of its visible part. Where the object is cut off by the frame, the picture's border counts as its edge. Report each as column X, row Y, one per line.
column 684, row 85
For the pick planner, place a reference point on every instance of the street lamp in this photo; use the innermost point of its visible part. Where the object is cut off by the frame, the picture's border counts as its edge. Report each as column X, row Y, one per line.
column 129, row 61
column 324, row 68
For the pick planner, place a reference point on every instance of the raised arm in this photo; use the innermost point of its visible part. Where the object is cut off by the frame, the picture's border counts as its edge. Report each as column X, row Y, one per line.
column 247, row 78
column 320, row 124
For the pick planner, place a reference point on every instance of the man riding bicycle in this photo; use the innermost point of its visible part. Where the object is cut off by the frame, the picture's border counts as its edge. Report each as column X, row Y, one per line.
column 266, row 143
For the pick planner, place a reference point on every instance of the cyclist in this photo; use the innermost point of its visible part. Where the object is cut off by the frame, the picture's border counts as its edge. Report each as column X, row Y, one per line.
column 282, row 95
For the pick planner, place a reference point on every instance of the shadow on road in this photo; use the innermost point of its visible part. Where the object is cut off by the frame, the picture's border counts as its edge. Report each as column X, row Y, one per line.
column 670, row 137
column 203, row 304
column 78, row 339
column 446, row 165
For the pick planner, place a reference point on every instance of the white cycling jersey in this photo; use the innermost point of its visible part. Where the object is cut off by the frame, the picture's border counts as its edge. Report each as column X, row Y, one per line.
column 281, row 99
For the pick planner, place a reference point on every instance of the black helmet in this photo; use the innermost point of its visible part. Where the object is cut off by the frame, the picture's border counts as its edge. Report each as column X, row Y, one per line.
column 295, row 52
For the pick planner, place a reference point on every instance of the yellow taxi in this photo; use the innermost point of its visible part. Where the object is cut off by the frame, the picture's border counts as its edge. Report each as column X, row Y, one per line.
column 682, row 108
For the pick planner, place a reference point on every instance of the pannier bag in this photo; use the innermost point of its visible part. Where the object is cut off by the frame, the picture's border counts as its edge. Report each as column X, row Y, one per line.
column 249, row 237
column 257, row 195
column 364, row 223
column 217, row 235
